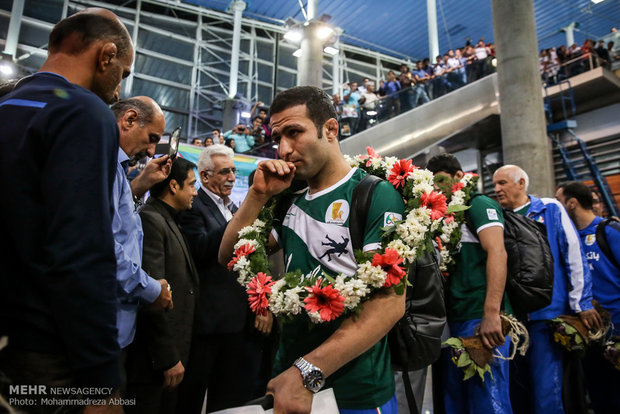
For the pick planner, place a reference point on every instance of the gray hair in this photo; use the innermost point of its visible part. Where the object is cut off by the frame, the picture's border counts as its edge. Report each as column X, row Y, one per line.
column 516, row 173
column 145, row 111
column 204, row 160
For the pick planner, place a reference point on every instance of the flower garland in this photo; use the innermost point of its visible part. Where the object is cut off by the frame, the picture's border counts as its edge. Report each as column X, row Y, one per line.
column 430, row 216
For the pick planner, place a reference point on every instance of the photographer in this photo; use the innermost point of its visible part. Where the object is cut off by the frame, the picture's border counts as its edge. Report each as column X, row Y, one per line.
column 244, row 140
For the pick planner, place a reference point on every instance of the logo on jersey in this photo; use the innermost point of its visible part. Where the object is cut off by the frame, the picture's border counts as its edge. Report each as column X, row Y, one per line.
column 337, row 212
column 541, row 219
column 390, row 218
column 334, row 247
column 492, row 214
column 590, row 239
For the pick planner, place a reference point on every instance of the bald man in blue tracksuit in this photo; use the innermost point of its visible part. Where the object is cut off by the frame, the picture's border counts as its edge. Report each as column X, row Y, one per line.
column 572, row 287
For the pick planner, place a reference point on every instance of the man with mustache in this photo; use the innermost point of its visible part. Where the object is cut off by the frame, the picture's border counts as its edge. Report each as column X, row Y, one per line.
column 219, row 343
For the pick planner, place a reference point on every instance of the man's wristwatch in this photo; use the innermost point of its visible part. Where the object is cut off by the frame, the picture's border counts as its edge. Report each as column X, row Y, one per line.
column 311, row 375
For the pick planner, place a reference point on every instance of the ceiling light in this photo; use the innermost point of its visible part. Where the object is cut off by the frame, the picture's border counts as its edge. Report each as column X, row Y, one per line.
column 371, row 113
column 297, row 53
column 293, row 35
column 330, row 50
column 245, row 114
column 597, row 1
column 324, row 32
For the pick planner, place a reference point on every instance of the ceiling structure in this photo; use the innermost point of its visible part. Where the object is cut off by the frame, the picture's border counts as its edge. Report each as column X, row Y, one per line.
column 399, row 27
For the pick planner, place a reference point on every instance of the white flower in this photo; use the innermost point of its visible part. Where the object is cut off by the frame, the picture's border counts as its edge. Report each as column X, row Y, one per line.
column 371, row 275
column 315, row 317
column 353, row 290
column 292, row 301
column 351, row 161
column 376, row 162
column 408, row 254
column 243, row 242
column 276, row 299
column 389, row 163
column 242, row 267
column 422, row 188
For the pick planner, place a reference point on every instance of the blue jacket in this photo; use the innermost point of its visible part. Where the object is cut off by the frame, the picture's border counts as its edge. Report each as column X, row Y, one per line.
column 572, row 285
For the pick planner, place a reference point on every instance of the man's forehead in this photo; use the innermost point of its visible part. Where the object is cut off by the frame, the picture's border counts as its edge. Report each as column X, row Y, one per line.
column 291, row 114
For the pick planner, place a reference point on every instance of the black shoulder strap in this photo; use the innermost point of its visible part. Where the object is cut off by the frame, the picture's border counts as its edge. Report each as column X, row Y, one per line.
column 360, row 204
column 601, row 239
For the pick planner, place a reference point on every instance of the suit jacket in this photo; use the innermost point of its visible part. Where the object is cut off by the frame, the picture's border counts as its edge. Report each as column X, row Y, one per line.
column 163, row 337
column 223, row 304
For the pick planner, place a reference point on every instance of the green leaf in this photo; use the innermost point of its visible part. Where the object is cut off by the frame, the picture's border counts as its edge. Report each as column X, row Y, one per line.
column 329, row 278
column 457, row 208
column 454, row 342
column 469, row 372
column 463, row 360
column 399, row 289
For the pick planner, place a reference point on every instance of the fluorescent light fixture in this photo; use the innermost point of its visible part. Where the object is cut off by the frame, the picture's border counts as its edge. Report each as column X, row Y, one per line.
column 324, row 32
column 293, row 35
column 330, row 50
column 6, row 69
column 245, row 114
column 597, row 1
column 297, row 53
column 371, row 113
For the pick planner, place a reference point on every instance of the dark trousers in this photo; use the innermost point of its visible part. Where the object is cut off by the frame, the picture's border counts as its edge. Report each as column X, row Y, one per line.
column 18, row 368
column 151, row 397
column 602, row 381
column 221, row 365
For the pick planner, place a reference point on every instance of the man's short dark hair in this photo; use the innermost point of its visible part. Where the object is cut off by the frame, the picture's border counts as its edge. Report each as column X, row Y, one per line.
column 91, row 28
column 579, row 191
column 144, row 110
column 257, row 117
column 319, row 105
column 444, row 162
column 179, row 172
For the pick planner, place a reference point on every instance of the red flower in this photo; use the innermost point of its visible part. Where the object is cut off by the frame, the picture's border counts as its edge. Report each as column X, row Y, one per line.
column 438, row 240
column 389, row 261
column 457, row 187
column 449, row 219
column 371, row 154
column 244, row 250
column 258, row 288
column 327, row 301
column 399, row 172
column 436, row 202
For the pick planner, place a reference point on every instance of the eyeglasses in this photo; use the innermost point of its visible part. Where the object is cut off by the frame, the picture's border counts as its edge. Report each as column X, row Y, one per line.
column 225, row 171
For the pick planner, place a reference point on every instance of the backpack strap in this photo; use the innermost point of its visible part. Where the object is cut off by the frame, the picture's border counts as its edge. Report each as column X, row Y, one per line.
column 601, row 239
column 360, row 205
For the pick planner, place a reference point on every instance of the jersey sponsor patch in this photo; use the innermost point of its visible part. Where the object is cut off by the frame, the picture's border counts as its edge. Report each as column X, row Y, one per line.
column 492, row 214
column 590, row 239
column 541, row 219
column 390, row 218
column 337, row 212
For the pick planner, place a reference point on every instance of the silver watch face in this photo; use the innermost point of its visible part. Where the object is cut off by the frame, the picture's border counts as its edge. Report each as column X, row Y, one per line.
column 314, row 380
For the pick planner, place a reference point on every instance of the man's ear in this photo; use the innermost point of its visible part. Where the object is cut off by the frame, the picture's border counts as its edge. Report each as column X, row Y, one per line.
column 204, row 176
column 130, row 118
column 173, row 186
column 459, row 174
column 107, row 52
column 331, row 129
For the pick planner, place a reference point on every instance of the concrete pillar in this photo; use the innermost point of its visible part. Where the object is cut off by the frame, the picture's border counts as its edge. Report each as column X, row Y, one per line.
column 336, row 69
column 312, row 9
column 10, row 47
column 524, row 137
column 310, row 63
column 128, row 83
column 237, row 7
column 433, row 37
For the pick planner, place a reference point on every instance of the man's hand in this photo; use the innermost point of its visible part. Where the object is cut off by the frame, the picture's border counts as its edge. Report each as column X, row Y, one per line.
column 591, row 319
column 156, row 171
column 272, row 177
column 264, row 323
column 289, row 394
column 174, row 376
column 164, row 300
column 491, row 330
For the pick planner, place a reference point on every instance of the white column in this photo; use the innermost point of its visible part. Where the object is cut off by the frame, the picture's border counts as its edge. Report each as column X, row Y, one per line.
column 191, row 119
column 238, row 6
column 336, row 68
column 570, row 34
column 433, row 37
column 12, row 37
column 134, row 39
column 312, row 9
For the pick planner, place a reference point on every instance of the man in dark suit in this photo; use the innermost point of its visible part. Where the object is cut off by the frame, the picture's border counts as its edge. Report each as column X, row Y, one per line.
column 157, row 358
column 222, row 358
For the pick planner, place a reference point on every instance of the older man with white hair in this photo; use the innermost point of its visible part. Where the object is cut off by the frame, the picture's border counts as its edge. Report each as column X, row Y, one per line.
column 572, row 287
column 220, row 358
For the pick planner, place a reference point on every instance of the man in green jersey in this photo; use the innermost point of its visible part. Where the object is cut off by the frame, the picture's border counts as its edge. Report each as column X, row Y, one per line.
column 474, row 301
column 350, row 353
